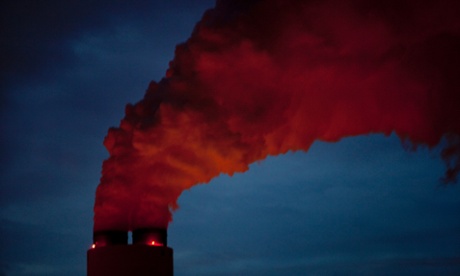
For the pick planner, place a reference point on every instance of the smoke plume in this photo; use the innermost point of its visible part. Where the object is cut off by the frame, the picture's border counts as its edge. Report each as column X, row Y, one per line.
column 259, row 78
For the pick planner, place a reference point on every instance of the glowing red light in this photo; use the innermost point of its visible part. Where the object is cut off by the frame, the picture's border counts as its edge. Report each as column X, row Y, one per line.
column 154, row 243
column 93, row 246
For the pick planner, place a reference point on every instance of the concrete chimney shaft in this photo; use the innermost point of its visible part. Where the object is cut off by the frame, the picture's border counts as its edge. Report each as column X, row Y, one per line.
column 112, row 255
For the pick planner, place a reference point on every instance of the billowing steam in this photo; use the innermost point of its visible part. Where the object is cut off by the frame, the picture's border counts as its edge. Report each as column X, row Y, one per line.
column 261, row 78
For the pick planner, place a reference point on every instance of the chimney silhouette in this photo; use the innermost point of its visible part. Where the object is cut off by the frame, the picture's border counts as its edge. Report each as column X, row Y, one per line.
column 111, row 254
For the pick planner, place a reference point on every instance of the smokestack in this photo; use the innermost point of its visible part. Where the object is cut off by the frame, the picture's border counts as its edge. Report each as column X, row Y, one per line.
column 111, row 254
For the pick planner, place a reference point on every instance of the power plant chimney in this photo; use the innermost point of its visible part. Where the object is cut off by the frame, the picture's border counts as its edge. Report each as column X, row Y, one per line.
column 111, row 254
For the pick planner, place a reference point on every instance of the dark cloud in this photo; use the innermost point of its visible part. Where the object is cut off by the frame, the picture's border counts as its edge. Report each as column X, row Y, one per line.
column 60, row 63
column 23, row 250
column 334, row 217
column 37, row 36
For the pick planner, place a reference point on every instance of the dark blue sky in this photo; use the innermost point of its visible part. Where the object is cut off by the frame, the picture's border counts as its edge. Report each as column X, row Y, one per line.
column 360, row 206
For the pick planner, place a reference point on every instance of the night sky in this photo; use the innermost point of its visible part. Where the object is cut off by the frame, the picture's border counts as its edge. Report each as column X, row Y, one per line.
column 365, row 205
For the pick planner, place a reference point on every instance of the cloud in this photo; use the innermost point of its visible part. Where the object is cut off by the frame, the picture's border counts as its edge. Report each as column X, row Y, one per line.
column 263, row 78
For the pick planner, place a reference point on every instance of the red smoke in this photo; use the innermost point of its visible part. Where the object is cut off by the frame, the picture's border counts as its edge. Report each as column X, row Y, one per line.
column 261, row 78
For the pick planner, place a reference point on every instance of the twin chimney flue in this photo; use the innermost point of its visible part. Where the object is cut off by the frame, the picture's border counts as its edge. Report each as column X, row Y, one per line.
column 148, row 254
column 146, row 236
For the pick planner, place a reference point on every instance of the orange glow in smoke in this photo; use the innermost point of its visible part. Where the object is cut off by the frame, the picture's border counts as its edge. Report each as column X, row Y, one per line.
column 277, row 78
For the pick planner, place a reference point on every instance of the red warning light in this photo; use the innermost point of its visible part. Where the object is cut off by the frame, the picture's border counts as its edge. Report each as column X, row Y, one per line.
column 150, row 236
column 154, row 243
